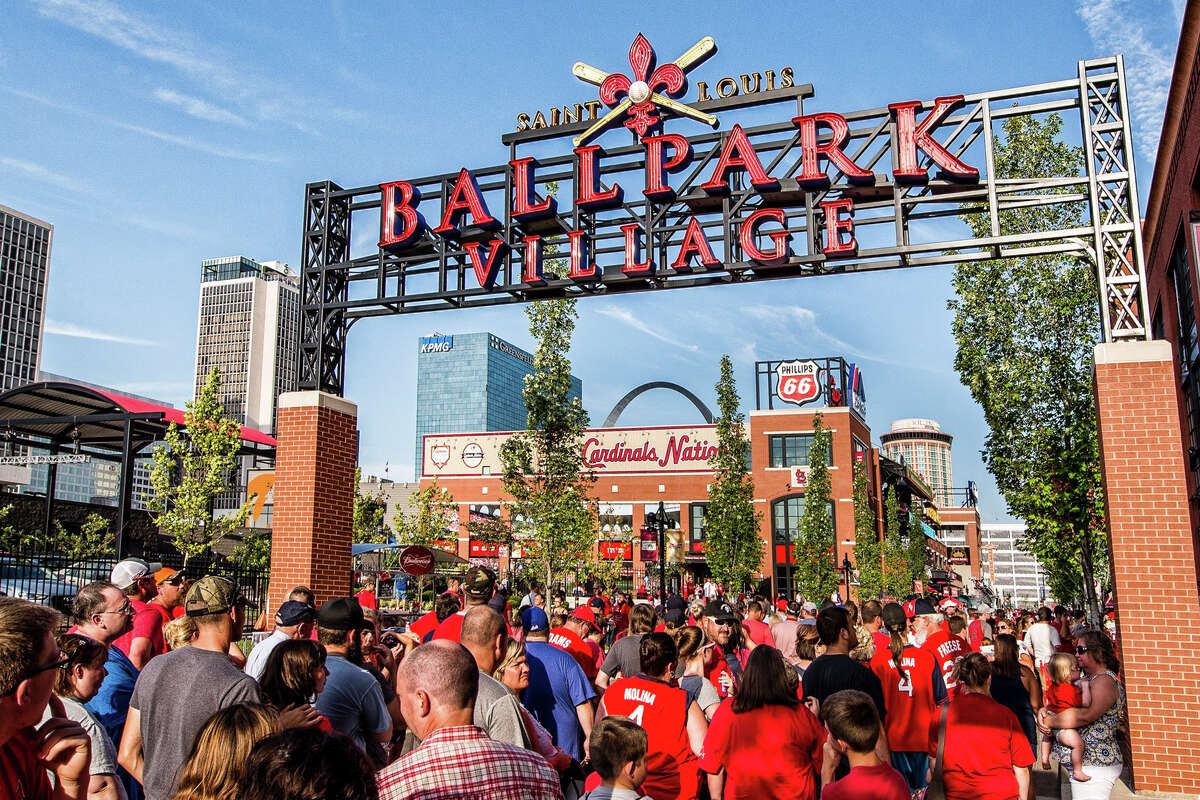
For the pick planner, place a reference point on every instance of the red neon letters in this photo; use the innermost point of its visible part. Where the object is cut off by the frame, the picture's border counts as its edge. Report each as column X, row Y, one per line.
column 762, row 235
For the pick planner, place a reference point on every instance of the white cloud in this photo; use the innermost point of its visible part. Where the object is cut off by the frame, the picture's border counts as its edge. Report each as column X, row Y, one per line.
column 181, row 141
column 625, row 316
column 1124, row 27
column 41, row 174
column 57, row 328
column 195, row 107
column 200, row 62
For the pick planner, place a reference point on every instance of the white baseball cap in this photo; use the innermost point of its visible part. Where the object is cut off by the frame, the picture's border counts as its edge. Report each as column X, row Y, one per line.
column 130, row 571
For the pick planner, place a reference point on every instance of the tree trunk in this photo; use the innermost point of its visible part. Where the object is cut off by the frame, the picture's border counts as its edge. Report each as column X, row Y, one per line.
column 1088, row 567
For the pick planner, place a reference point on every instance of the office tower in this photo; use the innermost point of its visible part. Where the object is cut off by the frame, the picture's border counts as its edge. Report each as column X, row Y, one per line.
column 926, row 449
column 249, row 329
column 24, row 262
column 471, row 382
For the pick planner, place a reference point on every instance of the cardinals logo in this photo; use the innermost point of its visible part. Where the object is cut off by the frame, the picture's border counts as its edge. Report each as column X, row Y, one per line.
column 439, row 454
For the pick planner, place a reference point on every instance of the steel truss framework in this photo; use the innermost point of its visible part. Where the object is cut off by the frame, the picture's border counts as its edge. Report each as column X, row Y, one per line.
column 896, row 224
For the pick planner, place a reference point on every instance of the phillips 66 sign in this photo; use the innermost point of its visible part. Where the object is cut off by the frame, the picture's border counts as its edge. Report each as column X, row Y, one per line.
column 798, row 381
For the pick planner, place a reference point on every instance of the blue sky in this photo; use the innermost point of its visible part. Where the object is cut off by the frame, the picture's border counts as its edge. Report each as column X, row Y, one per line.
column 156, row 135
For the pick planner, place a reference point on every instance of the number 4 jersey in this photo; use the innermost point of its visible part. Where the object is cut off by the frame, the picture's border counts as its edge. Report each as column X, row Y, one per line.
column 911, row 699
column 672, row 769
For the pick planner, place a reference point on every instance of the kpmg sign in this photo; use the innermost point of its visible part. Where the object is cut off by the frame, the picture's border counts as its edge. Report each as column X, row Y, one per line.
column 437, row 344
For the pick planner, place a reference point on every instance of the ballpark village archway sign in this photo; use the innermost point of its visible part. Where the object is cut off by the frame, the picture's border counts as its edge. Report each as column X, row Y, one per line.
column 751, row 184
column 803, row 193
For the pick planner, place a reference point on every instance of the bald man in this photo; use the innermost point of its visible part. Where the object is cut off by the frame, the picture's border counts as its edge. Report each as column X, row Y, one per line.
column 437, row 684
column 497, row 709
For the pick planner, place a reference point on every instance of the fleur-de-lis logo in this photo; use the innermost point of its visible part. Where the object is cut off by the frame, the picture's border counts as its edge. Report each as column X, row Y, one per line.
column 641, row 98
column 648, row 78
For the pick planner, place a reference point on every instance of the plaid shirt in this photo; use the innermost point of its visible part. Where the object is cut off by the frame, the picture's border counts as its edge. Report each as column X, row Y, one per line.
column 462, row 763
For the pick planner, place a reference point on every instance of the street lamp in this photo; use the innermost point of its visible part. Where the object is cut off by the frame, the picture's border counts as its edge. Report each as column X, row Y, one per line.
column 659, row 520
column 846, row 567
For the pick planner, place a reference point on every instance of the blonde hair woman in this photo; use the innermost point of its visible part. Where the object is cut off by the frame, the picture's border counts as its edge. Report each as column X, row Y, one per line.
column 214, row 766
column 513, row 672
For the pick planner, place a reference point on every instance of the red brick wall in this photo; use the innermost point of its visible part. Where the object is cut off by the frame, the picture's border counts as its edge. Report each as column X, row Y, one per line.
column 313, row 495
column 1153, row 561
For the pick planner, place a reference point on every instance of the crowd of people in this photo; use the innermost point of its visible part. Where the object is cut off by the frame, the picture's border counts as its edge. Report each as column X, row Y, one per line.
column 490, row 697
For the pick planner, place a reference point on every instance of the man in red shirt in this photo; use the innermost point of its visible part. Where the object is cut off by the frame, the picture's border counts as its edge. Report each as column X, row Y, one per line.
column 872, row 620
column 757, row 631
column 946, row 648
column 170, row 593
column 144, row 641
column 30, row 661
column 478, row 587
column 853, row 724
column 717, row 621
column 366, row 595
column 674, row 729
column 570, row 637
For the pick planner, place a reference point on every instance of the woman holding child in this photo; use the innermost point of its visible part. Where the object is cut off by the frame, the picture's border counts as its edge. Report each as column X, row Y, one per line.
column 1098, row 723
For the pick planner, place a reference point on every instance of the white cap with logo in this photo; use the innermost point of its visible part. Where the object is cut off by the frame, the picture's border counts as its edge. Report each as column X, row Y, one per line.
column 130, row 571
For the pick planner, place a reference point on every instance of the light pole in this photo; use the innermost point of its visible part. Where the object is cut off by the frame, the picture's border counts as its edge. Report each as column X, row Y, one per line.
column 846, row 567
column 658, row 520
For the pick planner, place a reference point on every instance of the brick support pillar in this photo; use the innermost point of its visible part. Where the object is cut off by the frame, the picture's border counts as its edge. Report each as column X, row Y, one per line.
column 1153, row 561
column 314, row 495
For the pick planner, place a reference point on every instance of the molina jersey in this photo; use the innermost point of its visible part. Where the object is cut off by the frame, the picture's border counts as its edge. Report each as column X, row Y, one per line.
column 946, row 649
column 672, row 769
column 910, row 698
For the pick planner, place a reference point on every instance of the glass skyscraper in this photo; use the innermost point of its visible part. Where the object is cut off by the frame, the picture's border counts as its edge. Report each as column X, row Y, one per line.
column 471, row 382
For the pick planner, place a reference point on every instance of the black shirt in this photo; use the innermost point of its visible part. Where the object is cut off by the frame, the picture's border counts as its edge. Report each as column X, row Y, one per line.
column 834, row 672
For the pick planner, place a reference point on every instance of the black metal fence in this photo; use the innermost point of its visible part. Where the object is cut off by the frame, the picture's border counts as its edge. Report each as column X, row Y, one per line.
column 52, row 578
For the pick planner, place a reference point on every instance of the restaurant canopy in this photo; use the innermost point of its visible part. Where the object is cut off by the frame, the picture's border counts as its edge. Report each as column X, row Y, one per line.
column 58, row 416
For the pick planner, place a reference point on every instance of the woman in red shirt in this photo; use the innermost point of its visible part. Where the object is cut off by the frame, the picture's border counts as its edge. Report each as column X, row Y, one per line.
column 987, row 756
column 763, row 742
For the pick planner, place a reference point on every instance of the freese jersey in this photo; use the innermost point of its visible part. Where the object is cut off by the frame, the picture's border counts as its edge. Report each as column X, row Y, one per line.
column 672, row 769
column 910, row 699
column 946, row 649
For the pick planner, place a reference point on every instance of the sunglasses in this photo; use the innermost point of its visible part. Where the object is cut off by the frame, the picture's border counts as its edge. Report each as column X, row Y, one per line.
column 1081, row 650
column 62, row 661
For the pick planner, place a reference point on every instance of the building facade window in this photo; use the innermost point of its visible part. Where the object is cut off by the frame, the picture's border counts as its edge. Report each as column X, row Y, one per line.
column 791, row 450
column 786, row 513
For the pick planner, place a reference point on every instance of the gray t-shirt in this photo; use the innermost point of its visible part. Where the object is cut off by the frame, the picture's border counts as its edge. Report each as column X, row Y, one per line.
column 104, row 754
column 624, row 657
column 353, row 701
column 176, row 694
column 498, row 712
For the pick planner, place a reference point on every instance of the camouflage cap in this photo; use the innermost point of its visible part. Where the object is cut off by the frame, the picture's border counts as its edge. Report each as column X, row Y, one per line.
column 480, row 582
column 211, row 595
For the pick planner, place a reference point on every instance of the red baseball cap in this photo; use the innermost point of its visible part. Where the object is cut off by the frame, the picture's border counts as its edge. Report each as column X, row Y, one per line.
column 585, row 613
column 909, row 611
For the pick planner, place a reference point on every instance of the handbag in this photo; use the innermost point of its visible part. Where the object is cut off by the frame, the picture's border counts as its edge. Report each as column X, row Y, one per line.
column 936, row 790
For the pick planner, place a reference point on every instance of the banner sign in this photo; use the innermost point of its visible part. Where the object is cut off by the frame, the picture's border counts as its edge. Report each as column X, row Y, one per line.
column 612, row 550
column 959, row 555
column 27, row 460
column 608, row 451
column 828, row 381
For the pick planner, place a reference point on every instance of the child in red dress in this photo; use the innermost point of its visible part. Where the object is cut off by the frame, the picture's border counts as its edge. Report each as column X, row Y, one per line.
column 1066, row 691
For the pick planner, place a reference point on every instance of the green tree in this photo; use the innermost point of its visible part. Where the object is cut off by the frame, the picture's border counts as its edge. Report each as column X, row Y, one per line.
column 431, row 516
column 868, row 550
column 254, row 551
column 916, row 554
column 368, row 526
column 1025, row 329
column 816, row 572
column 897, row 578
column 543, row 468
column 191, row 469
column 94, row 538
column 732, row 545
